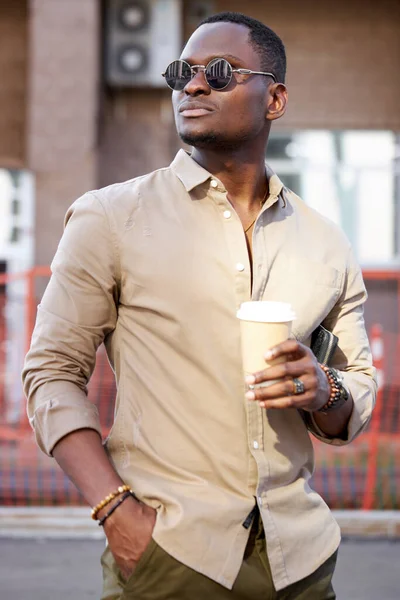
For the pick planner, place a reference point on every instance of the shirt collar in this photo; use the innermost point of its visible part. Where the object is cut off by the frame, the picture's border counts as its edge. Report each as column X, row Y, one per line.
column 275, row 187
column 189, row 171
column 192, row 174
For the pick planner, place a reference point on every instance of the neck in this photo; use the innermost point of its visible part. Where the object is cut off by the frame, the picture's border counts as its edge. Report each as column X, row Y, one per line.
column 241, row 171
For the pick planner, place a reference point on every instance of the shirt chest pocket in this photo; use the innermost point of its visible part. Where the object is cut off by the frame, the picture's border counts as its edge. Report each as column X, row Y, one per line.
column 311, row 287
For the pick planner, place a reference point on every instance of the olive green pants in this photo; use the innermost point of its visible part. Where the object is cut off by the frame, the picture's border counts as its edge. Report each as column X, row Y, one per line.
column 158, row 576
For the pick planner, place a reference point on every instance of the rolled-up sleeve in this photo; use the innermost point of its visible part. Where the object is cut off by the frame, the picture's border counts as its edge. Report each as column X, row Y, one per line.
column 353, row 356
column 78, row 310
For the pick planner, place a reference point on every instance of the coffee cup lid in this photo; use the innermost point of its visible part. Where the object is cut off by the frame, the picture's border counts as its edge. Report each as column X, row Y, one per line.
column 264, row 311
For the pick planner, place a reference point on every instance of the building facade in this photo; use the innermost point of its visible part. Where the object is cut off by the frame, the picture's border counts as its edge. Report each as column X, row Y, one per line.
column 64, row 126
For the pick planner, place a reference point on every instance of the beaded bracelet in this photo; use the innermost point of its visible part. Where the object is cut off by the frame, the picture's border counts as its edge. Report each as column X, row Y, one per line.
column 115, row 506
column 337, row 397
column 120, row 490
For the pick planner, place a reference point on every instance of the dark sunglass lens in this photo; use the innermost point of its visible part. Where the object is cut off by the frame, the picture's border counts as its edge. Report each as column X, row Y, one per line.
column 218, row 74
column 178, row 74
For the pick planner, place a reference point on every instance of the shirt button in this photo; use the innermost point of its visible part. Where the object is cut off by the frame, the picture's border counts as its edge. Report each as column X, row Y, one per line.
column 240, row 267
column 227, row 214
column 255, row 444
column 214, row 183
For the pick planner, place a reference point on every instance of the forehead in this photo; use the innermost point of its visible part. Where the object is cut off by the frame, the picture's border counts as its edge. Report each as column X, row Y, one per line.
column 220, row 40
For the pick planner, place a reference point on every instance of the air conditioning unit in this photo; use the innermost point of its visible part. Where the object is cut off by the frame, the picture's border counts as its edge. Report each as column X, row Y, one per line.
column 141, row 38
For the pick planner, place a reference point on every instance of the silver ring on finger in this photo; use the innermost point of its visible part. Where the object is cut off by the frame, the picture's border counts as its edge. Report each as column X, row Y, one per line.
column 298, row 387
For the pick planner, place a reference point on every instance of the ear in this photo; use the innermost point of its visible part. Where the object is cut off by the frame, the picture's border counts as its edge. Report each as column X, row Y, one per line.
column 277, row 101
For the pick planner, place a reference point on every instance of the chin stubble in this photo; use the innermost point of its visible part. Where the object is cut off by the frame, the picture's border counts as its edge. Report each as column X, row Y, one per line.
column 211, row 141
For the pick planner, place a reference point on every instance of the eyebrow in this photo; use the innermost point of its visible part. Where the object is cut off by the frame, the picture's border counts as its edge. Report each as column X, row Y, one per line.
column 232, row 57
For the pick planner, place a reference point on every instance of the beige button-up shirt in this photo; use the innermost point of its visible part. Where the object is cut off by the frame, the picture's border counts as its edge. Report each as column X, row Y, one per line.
column 156, row 268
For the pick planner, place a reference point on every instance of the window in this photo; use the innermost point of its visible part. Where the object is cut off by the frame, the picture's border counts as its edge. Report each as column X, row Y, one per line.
column 351, row 178
column 16, row 219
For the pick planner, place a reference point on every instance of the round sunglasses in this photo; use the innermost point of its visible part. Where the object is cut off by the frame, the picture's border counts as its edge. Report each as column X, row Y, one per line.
column 218, row 73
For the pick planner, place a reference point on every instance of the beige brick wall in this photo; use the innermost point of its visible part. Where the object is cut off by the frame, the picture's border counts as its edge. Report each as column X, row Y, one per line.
column 137, row 134
column 62, row 115
column 343, row 72
column 13, row 87
column 343, row 58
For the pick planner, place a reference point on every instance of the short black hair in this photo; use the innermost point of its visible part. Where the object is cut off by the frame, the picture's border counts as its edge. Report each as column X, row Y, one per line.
column 265, row 41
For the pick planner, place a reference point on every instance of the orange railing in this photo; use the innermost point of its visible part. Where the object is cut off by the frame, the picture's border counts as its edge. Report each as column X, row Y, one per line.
column 28, row 278
column 363, row 475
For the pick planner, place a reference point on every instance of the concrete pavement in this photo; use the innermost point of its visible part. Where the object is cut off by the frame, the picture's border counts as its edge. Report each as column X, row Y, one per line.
column 38, row 569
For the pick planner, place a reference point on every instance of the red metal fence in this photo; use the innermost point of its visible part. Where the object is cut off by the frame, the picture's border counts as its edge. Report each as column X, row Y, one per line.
column 364, row 474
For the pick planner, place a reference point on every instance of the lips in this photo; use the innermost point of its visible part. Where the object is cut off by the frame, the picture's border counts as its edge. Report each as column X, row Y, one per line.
column 194, row 109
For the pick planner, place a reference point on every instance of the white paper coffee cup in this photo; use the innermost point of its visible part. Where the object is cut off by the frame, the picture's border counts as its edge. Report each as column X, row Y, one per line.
column 263, row 324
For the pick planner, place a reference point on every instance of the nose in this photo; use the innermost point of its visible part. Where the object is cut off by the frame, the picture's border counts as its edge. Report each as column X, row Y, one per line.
column 197, row 85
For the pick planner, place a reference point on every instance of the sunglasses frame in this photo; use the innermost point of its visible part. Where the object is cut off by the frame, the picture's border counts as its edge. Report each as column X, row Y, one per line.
column 194, row 69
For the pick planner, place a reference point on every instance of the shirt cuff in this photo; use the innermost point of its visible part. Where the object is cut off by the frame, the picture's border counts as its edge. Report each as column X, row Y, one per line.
column 58, row 408
column 360, row 416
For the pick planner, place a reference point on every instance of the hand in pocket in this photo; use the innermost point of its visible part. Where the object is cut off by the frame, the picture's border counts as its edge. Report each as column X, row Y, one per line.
column 129, row 532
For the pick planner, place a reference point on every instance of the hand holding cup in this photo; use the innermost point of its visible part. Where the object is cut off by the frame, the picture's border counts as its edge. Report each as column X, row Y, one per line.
column 279, row 372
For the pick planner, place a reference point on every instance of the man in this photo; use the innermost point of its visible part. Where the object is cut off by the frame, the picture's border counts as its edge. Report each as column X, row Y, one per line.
column 156, row 268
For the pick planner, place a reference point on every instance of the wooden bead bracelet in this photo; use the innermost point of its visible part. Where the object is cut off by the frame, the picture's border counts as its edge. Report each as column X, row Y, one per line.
column 337, row 398
column 120, row 490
